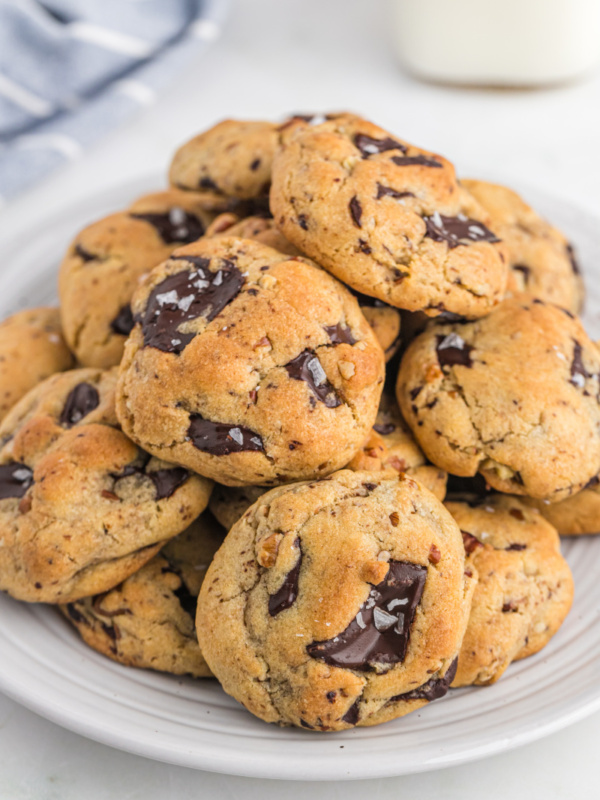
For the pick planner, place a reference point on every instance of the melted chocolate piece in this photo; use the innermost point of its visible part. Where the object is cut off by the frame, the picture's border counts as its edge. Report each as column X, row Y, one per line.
column 355, row 211
column 452, row 350
column 516, row 547
column 369, row 146
column 339, row 334
column 433, row 689
column 167, row 481
column 409, row 161
column 123, row 323
column 307, row 367
column 573, row 259
column 387, row 191
column 177, row 225
column 184, row 296
column 80, row 401
column 15, row 479
column 385, row 429
column 286, row 595
column 458, row 230
column 380, row 632
column 84, row 254
column 351, row 716
column 221, row 439
column 578, row 371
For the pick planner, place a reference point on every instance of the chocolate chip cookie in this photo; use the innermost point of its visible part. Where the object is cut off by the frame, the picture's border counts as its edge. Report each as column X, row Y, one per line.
column 387, row 218
column 248, row 366
column 524, row 591
column 578, row 514
column 337, row 603
column 106, row 261
column 32, row 347
column 149, row 620
column 542, row 261
column 513, row 396
column 81, row 507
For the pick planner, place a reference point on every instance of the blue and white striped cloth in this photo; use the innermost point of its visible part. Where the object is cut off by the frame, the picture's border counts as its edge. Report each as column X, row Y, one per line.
column 72, row 70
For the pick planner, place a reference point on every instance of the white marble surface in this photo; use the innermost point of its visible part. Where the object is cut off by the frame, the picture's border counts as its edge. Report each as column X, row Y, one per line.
column 278, row 56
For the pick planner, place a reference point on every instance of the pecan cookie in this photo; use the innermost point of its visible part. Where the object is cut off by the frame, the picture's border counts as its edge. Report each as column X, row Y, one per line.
column 31, row 348
column 81, row 508
column 337, row 603
column 513, row 396
column 248, row 366
column 577, row 515
column 149, row 620
column 106, row 260
column 542, row 261
column 387, row 218
column 524, row 590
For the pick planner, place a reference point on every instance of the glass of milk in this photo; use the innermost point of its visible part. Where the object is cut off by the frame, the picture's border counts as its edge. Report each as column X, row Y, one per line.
column 498, row 42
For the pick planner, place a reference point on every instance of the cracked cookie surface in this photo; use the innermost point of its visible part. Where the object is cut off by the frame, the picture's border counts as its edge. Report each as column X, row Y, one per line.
column 542, row 261
column 337, row 603
column 513, row 396
column 32, row 348
column 149, row 620
column 524, row 589
column 387, row 218
column 81, row 507
column 106, row 261
column 248, row 366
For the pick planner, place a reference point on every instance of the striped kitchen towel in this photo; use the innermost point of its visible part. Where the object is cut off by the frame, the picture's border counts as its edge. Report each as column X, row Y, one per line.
column 72, row 70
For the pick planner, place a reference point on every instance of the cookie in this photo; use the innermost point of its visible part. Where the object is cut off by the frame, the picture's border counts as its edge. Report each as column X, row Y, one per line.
column 542, row 261
column 248, row 366
column 31, row 348
column 106, row 261
column 337, row 603
column 148, row 621
column 230, row 503
column 524, row 590
column 81, row 507
column 513, row 396
column 577, row 515
column 385, row 321
column 387, row 218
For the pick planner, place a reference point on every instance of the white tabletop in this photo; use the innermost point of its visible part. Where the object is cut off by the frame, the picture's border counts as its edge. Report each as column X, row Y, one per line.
column 286, row 56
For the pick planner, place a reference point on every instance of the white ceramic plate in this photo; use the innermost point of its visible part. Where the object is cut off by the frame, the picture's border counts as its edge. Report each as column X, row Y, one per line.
column 45, row 666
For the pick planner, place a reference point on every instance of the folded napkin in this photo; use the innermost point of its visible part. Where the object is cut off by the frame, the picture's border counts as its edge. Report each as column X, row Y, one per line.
column 72, row 70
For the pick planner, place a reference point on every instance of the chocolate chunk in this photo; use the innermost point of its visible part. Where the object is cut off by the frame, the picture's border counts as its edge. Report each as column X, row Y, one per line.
column 369, row 146
column 368, row 301
column 15, row 479
column 351, row 716
column 364, row 247
column 452, row 350
column 420, row 160
column 80, row 401
column 187, row 295
column 355, row 211
column 517, row 514
column 457, row 230
column 255, row 164
column 187, row 600
column 221, row 439
column 380, row 632
column 339, row 334
column 307, row 367
column 175, row 226
column 287, row 593
column 84, row 254
column 573, row 259
column 167, row 481
column 592, row 482
column 384, row 429
column 76, row 615
column 578, row 371
column 97, row 606
column 433, row 689
column 303, row 221
column 516, row 547
column 387, row 191
column 208, row 183
column 123, row 323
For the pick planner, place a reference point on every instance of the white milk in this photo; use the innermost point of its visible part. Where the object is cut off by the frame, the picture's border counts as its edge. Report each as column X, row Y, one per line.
column 498, row 42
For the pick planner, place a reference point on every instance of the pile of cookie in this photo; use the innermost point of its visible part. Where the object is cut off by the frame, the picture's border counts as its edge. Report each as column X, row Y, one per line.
column 310, row 421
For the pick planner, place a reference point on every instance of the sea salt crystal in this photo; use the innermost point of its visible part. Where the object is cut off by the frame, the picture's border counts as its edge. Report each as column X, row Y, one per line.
column 167, row 297
column 382, row 620
column 236, row 435
column 317, row 371
column 452, row 340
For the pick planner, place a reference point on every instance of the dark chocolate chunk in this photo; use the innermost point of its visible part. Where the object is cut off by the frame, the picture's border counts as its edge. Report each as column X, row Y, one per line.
column 339, row 334
column 80, row 401
column 187, row 600
column 573, row 259
column 364, row 247
column 303, row 221
column 84, row 254
column 385, row 429
column 578, row 371
column 221, row 439
column 516, row 547
column 592, row 482
column 76, row 615
column 307, row 367
column 167, row 481
column 369, row 146
column 355, row 211
column 420, row 160
column 380, row 632
column 208, row 183
column 255, row 164
column 15, row 479
column 175, row 226
column 457, row 230
column 287, row 593
column 433, row 689
column 187, row 295
column 123, row 323
column 387, row 191
column 351, row 716
column 452, row 350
